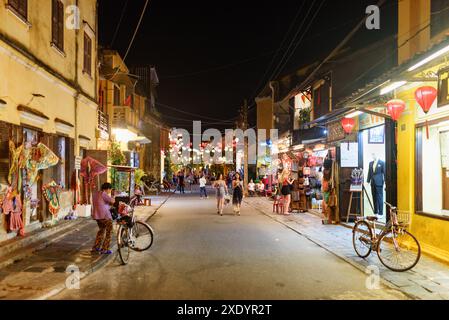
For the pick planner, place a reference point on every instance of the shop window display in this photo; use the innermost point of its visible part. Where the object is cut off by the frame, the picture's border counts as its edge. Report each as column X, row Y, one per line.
column 433, row 170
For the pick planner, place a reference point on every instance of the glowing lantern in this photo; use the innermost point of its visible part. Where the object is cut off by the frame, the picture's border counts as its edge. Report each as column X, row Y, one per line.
column 395, row 108
column 348, row 124
column 426, row 96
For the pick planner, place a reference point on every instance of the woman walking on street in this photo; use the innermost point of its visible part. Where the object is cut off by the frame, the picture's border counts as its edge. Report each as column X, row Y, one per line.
column 222, row 190
column 237, row 194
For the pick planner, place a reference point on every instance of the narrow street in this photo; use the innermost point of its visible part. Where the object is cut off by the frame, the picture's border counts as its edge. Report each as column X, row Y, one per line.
column 198, row 254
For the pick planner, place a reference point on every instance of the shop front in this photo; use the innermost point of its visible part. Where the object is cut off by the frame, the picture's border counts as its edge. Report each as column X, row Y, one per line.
column 365, row 157
column 35, row 178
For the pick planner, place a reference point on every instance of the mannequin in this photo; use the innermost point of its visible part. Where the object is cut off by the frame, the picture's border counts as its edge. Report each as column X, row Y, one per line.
column 376, row 177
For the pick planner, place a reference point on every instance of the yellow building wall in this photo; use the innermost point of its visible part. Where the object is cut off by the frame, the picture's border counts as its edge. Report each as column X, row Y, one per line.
column 265, row 114
column 413, row 37
column 432, row 233
column 29, row 64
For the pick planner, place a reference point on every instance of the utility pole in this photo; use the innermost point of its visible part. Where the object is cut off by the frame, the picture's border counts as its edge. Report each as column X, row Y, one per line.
column 245, row 127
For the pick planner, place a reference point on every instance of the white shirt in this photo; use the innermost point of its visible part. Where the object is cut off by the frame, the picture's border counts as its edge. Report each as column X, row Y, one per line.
column 375, row 165
column 203, row 182
column 251, row 186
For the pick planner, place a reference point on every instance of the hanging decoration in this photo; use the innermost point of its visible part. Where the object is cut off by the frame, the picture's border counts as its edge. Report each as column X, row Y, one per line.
column 38, row 158
column 395, row 108
column 348, row 124
column 90, row 168
column 51, row 192
column 12, row 207
column 426, row 96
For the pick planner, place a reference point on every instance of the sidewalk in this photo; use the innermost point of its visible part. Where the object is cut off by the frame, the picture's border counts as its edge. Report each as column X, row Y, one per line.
column 42, row 274
column 428, row 280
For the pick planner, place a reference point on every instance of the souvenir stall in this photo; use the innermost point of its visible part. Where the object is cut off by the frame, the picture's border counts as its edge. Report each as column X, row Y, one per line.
column 19, row 200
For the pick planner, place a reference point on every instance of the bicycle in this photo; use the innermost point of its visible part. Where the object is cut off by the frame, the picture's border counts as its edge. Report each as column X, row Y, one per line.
column 397, row 248
column 132, row 234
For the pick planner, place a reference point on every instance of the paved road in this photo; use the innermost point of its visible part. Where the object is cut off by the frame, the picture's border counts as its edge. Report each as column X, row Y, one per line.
column 200, row 255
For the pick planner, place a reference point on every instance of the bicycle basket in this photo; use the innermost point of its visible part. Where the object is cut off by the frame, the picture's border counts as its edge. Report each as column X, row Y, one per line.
column 403, row 217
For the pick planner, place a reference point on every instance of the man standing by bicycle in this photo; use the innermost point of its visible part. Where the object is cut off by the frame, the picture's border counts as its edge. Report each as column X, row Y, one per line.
column 102, row 202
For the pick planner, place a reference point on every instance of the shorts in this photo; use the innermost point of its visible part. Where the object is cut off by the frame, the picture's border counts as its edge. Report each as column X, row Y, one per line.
column 285, row 190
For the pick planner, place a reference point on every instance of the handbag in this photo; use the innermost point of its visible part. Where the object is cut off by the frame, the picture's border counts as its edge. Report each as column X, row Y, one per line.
column 332, row 199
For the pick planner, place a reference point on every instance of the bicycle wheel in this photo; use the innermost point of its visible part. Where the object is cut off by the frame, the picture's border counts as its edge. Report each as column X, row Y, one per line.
column 122, row 244
column 142, row 236
column 362, row 236
column 398, row 250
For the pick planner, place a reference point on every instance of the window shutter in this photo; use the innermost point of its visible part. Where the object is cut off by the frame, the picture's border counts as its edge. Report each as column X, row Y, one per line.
column 23, row 7
column 54, row 25
column 60, row 25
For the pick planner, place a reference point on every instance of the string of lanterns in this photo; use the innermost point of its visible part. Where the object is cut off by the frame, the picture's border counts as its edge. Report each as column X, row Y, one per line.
column 425, row 96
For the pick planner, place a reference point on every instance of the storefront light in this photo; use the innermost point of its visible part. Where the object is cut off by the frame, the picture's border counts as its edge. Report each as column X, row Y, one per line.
column 124, row 135
column 298, row 147
column 393, row 86
column 354, row 114
column 429, row 58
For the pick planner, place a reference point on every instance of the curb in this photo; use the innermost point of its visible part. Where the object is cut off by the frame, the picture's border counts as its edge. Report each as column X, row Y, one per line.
column 41, row 244
column 342, row 257
column 95, row 266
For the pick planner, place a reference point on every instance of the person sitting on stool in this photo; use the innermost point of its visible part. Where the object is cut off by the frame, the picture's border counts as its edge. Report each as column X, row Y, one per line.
column 376, row 177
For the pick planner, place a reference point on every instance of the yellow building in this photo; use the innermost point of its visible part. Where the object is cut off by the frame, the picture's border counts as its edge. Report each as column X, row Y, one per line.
column 127, row 113
column 48, row 89
column 423, row 170
column 422, row 159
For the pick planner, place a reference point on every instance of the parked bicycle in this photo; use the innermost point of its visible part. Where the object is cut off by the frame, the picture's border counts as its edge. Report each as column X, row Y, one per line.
column 132, row 235
column 397, row 248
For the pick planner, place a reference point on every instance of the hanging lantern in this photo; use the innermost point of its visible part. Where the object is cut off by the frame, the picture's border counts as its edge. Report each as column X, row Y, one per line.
column 348, row 124
column 426, row 96
column 395, row 108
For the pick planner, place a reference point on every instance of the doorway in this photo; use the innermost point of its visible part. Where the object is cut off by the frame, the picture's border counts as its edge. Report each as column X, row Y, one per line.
column 373, row 144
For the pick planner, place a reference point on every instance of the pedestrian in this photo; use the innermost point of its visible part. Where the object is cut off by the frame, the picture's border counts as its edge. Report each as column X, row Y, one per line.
column 237, row 193
column 181, row 182
column 252, row 188
column 102, row 202
column 203, row 182
column 222, row 190
column 287, row 183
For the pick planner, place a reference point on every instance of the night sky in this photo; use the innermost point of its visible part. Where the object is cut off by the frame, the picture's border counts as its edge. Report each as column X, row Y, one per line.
column 210, row 55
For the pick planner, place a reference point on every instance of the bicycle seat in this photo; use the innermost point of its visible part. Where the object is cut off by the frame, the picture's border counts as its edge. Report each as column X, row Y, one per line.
column 372, row 218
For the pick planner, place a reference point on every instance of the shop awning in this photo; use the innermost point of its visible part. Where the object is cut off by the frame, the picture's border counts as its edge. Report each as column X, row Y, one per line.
column 120, row 78
column 343, row 112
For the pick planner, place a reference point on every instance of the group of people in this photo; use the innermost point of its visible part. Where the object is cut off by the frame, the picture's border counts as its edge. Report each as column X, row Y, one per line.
column 256, row 188
column 222, row 192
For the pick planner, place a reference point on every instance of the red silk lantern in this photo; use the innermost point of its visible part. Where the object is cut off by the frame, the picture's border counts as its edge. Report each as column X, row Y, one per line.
column 395, row 108
column 426, row 96
column 348, row 124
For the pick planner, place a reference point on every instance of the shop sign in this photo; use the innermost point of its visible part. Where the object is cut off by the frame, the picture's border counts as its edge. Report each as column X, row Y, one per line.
column 335, row 132
column 349, row 153
column 443, row 88
column 367, row 120
column 78, row 162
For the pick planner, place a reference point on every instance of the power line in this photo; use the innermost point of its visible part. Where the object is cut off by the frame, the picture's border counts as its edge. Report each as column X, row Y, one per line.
column 300, row 40
column 137, row 29
column 293, row 40
column 134, row 36
column 279, row 49
column 226, row 66
column 190, row 113
column 119, row 23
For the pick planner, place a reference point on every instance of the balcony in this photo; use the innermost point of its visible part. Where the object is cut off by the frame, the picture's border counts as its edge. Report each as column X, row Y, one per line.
column 125, row 118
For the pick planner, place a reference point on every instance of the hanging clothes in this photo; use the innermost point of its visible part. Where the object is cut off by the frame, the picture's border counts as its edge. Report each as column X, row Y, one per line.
column 12, row 207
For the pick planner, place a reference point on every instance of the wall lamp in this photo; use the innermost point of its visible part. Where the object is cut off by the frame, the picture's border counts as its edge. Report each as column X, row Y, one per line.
column 3, row 103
